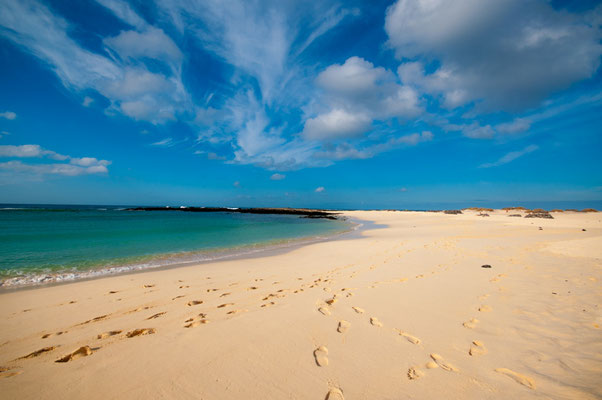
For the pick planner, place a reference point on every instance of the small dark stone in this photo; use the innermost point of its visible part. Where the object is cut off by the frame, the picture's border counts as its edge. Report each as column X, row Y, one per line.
column 540, row 228
column 583, row 230
column 486, row 266
column 554, row 293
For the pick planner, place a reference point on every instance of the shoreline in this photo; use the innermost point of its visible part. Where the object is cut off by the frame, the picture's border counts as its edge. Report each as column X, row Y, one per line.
column 236, row 253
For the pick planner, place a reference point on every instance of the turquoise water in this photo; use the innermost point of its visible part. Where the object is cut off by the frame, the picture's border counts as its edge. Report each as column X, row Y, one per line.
column 46, row 245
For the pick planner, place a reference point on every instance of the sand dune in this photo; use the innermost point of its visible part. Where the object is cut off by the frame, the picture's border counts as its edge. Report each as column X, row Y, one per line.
column 404, row 310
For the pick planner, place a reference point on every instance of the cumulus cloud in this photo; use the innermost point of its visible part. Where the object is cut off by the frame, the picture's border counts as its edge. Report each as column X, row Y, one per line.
column 319, row 189
column 509, row 54
column 277, row 177
column 336, row 124
column 360, row 87
column 511, row 156
column 76, row 166
column 8, row 115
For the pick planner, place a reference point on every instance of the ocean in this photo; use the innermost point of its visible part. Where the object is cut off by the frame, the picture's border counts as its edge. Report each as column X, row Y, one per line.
column 43, row 244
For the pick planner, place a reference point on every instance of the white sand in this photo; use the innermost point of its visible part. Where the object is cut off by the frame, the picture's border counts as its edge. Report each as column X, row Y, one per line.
column 405, row 312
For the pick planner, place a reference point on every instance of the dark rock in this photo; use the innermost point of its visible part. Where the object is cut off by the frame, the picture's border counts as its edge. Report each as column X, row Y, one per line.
column 308, row 213
column 539, row 214
column 583, row 230
column 486, row 266
column 515, row 215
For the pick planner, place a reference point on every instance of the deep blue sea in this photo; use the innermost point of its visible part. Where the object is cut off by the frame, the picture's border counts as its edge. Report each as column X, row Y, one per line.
column 40, row 244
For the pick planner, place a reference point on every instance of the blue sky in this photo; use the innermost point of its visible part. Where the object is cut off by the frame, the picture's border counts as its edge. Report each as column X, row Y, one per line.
column 368, row 104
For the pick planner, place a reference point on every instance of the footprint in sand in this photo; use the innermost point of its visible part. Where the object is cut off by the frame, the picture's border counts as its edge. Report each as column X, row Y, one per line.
column 225, row 294
column 236, row 312
column 332, row 300
column 471, row 324
column 477, row 348
column 6, row 372
column 271, row 303
column 441, row 362
column 212, row 290
column 485, row 308
column 410, row 338
column 335, row 394
column 321, row 356
column 358, row 310
column 53, row 334
column 519, row 378
column 38, row 352
column 141, row 332
column 157, row 315
column 148, row 286
column 415, row 373
column 184, row 287
column 105, row 335
column 324, row 310
column 374, row 321
column 343, row 326
column 95, row 319
column 194, row 324
column 225, row 305
column 194, row 302
column 252, row 288
column 83, row 351
column 178, row 297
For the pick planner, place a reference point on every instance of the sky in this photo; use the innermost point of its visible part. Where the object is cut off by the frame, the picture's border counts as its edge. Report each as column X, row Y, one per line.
column 354, row 104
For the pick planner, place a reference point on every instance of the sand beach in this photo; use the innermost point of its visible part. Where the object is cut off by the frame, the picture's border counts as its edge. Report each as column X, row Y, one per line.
column 415, row 305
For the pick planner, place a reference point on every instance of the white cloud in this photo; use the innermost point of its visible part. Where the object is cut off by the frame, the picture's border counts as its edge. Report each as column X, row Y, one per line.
column 8, row 115
column 51, row 169
column 128, row 84
column 87, row 101
column 506, row 53
column 277, row 177
column 319, row 189
column 124, row 12
column 236, row 184
column 359, row 87
column 152, row 43
column 511, row 156
column 476, row 131
column 516, row 126
column 167, row 142
column 76, row 166
column 344, row 151
column 337, row 124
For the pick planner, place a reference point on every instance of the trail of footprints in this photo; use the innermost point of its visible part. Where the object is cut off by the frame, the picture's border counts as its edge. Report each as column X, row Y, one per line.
column 477, row 348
